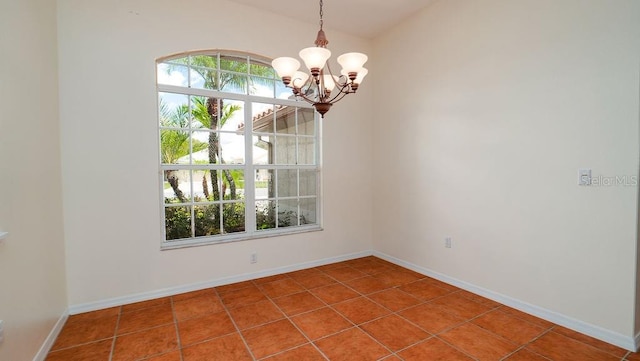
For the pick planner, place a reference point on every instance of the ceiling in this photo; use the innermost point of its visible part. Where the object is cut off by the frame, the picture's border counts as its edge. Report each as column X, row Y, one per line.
column 365, row 18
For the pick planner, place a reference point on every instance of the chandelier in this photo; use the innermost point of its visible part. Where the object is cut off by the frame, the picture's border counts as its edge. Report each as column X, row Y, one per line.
column 321, row 87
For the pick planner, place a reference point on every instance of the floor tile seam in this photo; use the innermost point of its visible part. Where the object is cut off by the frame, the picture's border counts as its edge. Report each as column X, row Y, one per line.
column 431, row 336
column 523, row 347
column 235, row 325
column 118, row 334
column 500, row 309
column 80, row 344
column 552, row 329
column 175, row 323
column 363, row 331
column 112, row 351
column 457, row 348
column 388, row 348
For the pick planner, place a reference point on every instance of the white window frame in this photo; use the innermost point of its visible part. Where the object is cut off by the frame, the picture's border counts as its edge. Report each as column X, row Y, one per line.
column 251, row 231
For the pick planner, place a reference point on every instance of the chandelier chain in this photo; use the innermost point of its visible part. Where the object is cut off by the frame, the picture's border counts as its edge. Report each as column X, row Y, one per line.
column 321, row 13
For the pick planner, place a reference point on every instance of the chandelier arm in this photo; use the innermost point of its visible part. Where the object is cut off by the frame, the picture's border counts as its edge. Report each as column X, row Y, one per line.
column 340, row 95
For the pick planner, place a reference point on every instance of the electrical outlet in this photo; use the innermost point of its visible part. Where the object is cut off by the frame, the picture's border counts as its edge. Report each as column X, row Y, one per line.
column 447, row 242
column 1, row 331
column 254, row 258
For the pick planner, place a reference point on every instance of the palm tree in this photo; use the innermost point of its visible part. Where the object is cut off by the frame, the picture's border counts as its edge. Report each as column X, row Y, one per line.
column 234, row 76
column 175, row 143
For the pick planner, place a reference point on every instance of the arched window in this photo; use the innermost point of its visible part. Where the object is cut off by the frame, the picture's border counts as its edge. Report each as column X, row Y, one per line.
column 239, row 158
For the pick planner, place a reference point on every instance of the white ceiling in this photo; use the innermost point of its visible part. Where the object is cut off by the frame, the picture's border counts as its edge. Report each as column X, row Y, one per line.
column 365, row 18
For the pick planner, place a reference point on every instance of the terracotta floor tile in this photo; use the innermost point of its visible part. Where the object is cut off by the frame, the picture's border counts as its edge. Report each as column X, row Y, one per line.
column 197, row 306
column 360, row 310
column 242, row 297
column 145, row 318
column 192, row 294
column 373, row 267
column 303, row 353
column 272, row 338
column 96, row 351
column 281, row 288
column 525, row 355
column 433, row 349
column 367, row 285
column 204, row 328
column 233, row 287
column 169, row 356
column 635, row 356
column 94, row 315
column 304, row 273
column 441, row 284
column 321, row 323
column 298, row 303
column 138, row 345
column 559, row 347
column 601, row 345
column 343, row 274
column 228, row 347
column 431, row 318
column 527, row 317
column 424, row 290
column 146, row 304
column 351, row 345
column 255, row 314
column 394, row 332
column 82, row 330
column 460, row 306
column 316, row 280
column 334, row 293
column 394, row 299
column 395, row 278
column 513, row 329
column 477, row 298
column 478, row 342
column 269, row 279
column 330, row 266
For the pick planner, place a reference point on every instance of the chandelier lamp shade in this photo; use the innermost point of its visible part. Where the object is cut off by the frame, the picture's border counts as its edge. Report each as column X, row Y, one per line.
column 320, row 86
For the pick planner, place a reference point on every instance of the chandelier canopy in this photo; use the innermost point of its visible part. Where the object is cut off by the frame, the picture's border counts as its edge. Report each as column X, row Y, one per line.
column 320, row 86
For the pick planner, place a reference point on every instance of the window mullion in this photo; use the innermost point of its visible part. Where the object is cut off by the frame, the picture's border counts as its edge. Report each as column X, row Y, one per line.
column 249, row 171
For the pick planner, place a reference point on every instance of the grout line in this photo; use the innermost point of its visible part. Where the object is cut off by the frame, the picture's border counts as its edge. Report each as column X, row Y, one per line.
column 244, row 341
column 115, row 335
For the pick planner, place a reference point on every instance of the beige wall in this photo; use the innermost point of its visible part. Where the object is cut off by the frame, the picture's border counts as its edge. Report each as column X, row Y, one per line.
column 109, row 146
column 32, row 274
column 500, row 105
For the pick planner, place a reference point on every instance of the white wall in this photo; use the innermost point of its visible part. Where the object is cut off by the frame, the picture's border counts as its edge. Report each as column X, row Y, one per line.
column 109, row 146
column 32, row 274
column 489, row 109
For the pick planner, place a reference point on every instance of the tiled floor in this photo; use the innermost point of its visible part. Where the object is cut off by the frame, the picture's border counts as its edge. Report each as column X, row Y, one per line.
column 363, row 309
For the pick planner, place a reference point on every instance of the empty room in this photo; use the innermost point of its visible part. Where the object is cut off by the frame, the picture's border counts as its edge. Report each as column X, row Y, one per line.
column 319, row 180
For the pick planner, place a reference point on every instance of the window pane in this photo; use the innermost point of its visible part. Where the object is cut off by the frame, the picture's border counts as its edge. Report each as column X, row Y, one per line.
column 263, row 116
column 306, row 121
column 265, row 215
column 232, row 183
column 173, row 110
column 203, row 189
column 174, row 146
column 287, row 182
column 282, row 92
column 177, row 222
column 288, row 213
column 306, row 150
column 173, row 74
column 308, row 182
column 231, row 148
column 264, row 183
column 308, row 211
column 262, row 70
column 207, row 220
column 233, row 82
column 262, row 87
column 203, row 72
column 201, row 145
column 262, row 150
column 232, row 118
column 177, row 186
column 286, row 120
column 286, row 150
column 233, row 217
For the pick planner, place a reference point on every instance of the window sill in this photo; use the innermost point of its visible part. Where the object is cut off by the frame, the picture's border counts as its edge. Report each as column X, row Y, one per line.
column 238, row 237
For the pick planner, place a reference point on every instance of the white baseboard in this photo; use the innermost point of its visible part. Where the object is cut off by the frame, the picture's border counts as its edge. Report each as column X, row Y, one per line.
column 51, row 338
column 119, row 301
column 614, row 338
